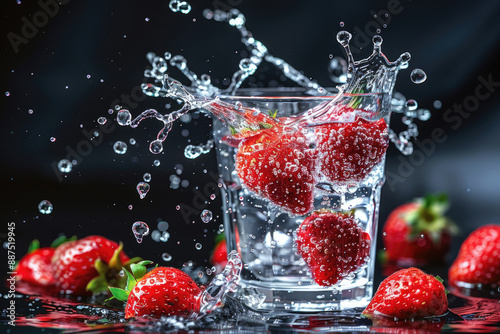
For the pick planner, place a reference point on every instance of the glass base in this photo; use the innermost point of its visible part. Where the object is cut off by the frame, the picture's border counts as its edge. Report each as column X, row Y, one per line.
column 281, row 297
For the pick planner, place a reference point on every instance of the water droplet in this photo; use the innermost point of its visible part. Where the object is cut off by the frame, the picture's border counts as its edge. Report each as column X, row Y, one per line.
column 411, row 104
column 206, row 216
column 30, row 111
column 192, row 151
column 102, row 120
column 179, row 6
column 212, row 197
column 177, row 207
column 377, row 40
column 65, row 166
column 198, row 246
column 130, row 207
column 341, row 24
column 437, row 104
column 156, row 146
column 7, row 93
column 124, row 117
column 140, row 230
column 132, row 141
column 337, row 69
column 156, row 163
column 52, row 139
column 88, row 76
column 166, row 257
column 45, row 207
column 164, row 236
column 142, row 189
column 343, row 37
column 146, row 177
column 418, row 76
column 162, row 226
column 423, row 114
column 120, row 147
column 352, row 188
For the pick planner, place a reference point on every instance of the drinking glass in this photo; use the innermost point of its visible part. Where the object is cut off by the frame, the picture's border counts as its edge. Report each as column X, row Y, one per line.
column 275, row 277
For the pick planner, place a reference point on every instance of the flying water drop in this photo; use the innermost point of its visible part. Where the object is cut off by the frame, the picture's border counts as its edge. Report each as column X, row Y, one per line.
column 156, row 146
column 411, row 104
column 142, row 189
column 166, row 257
column 45, row 207
column 418, row 76
column 140, row 230
column 146, row 177
column 124, row 117
column 64, row 166
column 102, row 120
column 120, row 147
column 206, row 216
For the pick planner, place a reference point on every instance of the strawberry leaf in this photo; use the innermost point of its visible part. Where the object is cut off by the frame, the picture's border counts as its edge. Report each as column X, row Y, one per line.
column 131, row 281
column 34, row 245
column 118, row 293
column 97, row 284
column 138, row 270
column 61, row 240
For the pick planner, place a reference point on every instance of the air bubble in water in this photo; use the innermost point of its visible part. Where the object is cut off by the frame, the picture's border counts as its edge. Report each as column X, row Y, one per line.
column 102, row 120
column 142, row 189
column 45, row 207
column 140, row 230
column 156, row 163
column 156, row 146
column 411, row 104
column 192, row 151
column 198, row 246
column 124, row 117
column 146, row 177
column 418, row 76
column 166, row 257
column 120, row 147
column 206, row 216
column 65, row 166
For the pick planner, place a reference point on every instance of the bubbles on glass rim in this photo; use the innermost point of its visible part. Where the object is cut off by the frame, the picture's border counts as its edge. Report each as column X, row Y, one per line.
column 45, row 207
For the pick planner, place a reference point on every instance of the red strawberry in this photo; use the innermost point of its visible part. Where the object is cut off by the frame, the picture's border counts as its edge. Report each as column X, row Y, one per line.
column 417, row 232
column 278, row 165
column 478, row 260
column 349, row 150
column 36, row 266
column 163, row 291
column 408, row 294
column 77, row 263
column 332, row 245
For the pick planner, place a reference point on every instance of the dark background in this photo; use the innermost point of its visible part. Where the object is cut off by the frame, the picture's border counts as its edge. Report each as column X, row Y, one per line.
column 108, row 40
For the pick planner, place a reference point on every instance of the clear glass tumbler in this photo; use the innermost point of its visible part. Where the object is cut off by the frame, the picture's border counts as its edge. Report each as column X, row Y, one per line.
column 276, row 275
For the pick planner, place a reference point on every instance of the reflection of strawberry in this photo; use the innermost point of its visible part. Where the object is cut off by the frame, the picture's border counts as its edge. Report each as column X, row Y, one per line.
column 219, row 255
column 83, row 266
column 478, row 261
column 163, row 291
column 350, row 150
column 35, row 267
column 407, row 294
column 333, row 246
column 417, row 232
column 278, row 165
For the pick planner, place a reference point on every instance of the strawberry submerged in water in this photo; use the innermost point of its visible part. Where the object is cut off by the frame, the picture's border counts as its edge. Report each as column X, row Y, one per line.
column 418, row 232
column 349, row 150
column 84, row 266
column 278, row 164
column 164, row 291
column 478, row 261
column 333, row 245
column 408, row 294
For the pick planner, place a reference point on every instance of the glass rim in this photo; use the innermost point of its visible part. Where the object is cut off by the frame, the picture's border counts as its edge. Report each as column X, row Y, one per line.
column 283, row 94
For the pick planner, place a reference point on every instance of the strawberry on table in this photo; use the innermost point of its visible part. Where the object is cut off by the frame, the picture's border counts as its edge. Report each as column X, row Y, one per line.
column 408, row 294
column 478, row 260
column 36, row 266
column 418, row 232
column 84, row 266
column 278, row 164
column 332, row 245
column 164, row 291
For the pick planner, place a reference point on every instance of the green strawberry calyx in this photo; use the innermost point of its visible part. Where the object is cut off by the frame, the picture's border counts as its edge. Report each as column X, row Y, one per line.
column 428, row 217
column 136, row 272
column 109, row 274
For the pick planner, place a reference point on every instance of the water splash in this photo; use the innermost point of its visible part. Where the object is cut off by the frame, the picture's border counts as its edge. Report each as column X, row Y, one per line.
column 225, row 282
column 194, row 151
